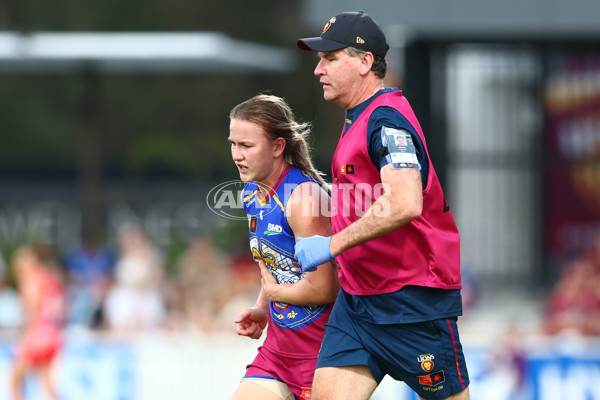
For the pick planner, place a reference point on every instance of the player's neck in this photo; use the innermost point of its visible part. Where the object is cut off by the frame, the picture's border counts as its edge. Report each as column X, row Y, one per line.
column 269, row 184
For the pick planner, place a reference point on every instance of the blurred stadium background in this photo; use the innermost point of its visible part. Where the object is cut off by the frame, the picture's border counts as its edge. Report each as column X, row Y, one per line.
column 113, row 126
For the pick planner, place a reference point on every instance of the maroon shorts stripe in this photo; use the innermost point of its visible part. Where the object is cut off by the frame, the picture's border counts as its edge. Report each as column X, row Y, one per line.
column 460, row 378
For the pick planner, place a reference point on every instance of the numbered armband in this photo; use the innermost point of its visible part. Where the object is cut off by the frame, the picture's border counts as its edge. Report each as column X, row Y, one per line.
column 399, row 148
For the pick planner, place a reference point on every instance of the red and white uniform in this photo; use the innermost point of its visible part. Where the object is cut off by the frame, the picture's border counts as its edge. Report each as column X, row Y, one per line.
column 46, row 304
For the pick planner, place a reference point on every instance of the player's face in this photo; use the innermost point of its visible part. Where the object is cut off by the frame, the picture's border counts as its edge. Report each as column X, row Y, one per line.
column 252, row 151
column 24, row 263
column 339, row 74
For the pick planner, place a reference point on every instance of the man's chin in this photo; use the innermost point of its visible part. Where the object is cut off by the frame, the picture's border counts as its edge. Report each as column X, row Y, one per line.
column 329, row 96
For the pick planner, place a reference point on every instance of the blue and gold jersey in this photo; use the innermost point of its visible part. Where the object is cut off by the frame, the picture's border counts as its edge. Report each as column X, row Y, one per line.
column 272, row 240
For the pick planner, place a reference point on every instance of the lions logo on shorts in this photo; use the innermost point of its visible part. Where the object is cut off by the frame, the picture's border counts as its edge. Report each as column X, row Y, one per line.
column 426, row 361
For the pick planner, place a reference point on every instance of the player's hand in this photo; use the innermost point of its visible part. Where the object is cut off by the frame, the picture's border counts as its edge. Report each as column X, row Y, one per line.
column 312, row 252
column 251, row 322
column 268, row 281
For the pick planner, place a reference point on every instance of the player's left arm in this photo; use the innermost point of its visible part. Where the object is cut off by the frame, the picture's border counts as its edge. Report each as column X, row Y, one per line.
column 401, row 202
column 307, row 215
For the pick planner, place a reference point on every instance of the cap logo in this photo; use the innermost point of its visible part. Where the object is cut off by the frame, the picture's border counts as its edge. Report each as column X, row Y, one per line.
column 360, row 40
column 328, row 25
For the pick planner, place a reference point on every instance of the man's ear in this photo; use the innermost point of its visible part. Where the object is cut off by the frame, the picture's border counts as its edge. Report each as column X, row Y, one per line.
column 366, row 62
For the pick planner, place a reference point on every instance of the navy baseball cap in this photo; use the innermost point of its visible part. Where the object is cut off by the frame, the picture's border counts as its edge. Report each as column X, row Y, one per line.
column 348, row 29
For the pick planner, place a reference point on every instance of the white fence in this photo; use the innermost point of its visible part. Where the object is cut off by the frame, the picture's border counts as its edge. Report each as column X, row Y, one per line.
column 186, row 367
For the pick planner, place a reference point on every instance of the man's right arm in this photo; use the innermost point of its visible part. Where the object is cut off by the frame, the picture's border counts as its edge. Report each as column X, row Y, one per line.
column 401, row 203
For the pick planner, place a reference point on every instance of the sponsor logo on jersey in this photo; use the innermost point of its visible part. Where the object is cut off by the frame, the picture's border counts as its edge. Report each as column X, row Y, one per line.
column 426, row 361
column 432, row 379
column 347, row 169
column 305, row 393
column 252, row 222
column 273, row 229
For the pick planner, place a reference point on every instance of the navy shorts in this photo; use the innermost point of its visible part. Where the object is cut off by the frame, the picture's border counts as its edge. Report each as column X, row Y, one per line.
column 427, row 356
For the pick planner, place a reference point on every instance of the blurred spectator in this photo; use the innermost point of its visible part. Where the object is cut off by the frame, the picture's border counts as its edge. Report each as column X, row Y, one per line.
column 44, row 300
column 245, row 285
column 11, row 311
column 90, row 268
column 202, row 286
column 573, row 306
column 507, row 369
column 593, row 255
column 470, row 289
column 135, row 301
